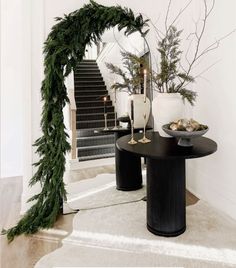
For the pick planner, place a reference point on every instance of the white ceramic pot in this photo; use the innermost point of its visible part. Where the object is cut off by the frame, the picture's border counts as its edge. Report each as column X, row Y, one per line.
column 140, row 108
column 166, row 107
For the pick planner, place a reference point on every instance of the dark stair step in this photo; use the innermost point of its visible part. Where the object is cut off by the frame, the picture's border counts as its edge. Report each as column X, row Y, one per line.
column 95, row 103
column 94, row 87
column 89, row 97
column 89, row 83
column 95, row 124
column 87, row 67
column 88, row 60
column 86, row 117
column 87, row 71
column 95, row 140
column 90, row 110
column 94, row 157
column 86, row 64
column 96, row 150
column 84, row 78
column 90, row 74
column 84, row 93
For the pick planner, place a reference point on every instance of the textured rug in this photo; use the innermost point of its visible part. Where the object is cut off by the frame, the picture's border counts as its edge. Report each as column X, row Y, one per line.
column 110, row 230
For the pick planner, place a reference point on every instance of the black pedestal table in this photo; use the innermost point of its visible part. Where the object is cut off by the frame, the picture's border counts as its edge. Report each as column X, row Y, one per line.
column 166, row 212
column 128, row 165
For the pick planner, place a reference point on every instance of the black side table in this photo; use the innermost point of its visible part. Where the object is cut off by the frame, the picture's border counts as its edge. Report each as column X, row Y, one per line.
column 128, row 166
column 166, row 209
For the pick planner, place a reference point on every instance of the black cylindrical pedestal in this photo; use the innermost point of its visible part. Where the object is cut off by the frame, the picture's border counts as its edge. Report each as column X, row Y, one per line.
column 128, row 169
column 166, row 196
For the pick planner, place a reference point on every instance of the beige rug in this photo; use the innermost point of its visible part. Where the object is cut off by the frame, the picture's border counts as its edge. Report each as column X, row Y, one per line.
column 106, row 234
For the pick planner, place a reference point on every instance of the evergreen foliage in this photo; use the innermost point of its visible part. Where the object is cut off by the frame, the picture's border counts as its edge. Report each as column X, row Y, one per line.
column 169, row 79
column 64, row 48
column 132, row 75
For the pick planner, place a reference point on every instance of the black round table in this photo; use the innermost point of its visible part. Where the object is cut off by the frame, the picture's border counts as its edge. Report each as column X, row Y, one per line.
column 128, row 166
column 166, row 208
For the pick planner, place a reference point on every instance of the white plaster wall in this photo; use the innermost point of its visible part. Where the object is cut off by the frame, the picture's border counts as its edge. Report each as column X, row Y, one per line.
column 13, row 67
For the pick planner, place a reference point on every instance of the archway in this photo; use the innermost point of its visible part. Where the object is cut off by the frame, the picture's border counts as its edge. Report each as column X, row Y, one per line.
column 64, row 48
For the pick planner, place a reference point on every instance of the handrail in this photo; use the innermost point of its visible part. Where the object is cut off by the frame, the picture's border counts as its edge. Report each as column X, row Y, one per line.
column 72, row 109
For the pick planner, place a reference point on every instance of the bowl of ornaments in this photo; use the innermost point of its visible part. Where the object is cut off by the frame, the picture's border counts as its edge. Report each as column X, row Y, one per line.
column 185, row 130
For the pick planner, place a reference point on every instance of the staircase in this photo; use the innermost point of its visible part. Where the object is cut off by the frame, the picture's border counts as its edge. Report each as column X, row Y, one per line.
column 89, row 91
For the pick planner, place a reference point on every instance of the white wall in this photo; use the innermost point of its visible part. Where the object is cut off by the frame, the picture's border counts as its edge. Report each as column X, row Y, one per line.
column 13, row 80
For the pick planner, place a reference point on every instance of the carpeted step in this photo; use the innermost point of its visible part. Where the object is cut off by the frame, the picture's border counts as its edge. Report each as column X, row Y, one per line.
column 89, row 83
column 89, row 132
column 82, row 93
column 94, row 124
column 95, row 140
column 86, row 117
column 88, row 78
column 90, row 74
column 94, row 103
column 90, row 110
column 87, row 71
column 94, row 87
column 96, row 150
column 90, row 97
column 94, row 157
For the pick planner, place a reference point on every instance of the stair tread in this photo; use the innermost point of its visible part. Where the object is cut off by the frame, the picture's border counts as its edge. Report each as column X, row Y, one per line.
column 95, row 107
column 93, row 157
column 101, row 146
column 96, row 137
column 94, row 121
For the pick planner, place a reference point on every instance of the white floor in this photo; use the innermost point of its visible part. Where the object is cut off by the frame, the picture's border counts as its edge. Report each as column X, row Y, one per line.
column 110, row 230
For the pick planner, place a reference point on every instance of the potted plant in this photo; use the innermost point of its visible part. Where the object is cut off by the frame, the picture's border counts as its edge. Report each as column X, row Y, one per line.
column 132, row 77
column 170, row 81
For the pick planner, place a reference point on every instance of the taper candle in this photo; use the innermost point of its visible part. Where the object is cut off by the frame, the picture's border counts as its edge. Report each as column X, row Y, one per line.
column 105, row 107
column 132, row 110
column 145, row 84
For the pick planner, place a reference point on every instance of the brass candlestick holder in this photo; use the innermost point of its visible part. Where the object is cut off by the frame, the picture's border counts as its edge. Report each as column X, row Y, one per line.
column 144, row 138
column 132, row 141
column 105, row 117
column 115, row 127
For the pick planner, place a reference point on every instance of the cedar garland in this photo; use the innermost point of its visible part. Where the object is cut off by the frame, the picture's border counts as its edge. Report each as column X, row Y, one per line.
column 64, row 48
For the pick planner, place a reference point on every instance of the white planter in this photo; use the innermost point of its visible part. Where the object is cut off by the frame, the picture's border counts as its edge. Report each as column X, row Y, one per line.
column 140, row 107
column 166, row 107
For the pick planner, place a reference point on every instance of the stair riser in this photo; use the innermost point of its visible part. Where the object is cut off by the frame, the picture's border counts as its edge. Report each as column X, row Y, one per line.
column 87, row 65
column 87, row 117
column 94, row 142
column 89, row 98
column 89, row 83
column 98, row 124
column 92, row 104
column 88, row 88
column 95, row 151
column 87, row 71
column 84, row 93
column 92, row 74
column 94, row 110
column 84, row 78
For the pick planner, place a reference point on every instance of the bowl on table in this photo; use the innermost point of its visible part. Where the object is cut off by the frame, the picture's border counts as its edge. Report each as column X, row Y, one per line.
column 184, row 136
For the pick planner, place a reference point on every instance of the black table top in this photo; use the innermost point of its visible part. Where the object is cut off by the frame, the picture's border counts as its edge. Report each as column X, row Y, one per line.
column 166, row 148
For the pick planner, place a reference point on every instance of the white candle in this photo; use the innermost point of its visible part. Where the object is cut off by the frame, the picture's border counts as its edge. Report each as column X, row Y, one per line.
column 145, row 84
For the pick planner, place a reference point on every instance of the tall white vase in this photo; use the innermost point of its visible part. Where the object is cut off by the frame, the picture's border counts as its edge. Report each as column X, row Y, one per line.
column 140, row 108
column 166, row 107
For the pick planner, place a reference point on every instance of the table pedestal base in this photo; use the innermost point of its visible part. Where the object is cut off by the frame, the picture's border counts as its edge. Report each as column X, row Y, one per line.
column 128, row 170
column 166, row 196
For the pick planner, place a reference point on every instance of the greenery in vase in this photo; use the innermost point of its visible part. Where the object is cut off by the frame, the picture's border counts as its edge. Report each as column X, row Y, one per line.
column 169, row 78
column 132, row 73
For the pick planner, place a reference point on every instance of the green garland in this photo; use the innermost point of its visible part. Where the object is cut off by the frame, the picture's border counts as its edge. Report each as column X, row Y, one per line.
column 64, row 48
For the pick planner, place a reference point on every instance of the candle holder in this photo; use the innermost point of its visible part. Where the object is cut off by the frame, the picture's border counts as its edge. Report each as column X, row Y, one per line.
column 105, row 117
column 144, row 138
column 115, row 127
column 132, row 141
